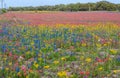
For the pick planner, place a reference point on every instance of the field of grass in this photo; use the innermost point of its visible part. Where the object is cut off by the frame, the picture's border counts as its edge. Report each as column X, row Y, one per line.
column 61, row 51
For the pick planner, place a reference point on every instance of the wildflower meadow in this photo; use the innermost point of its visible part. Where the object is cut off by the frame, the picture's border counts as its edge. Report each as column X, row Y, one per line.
column 59, row 51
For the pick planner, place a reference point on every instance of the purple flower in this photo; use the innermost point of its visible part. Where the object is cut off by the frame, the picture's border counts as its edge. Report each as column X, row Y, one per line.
column 85, row 77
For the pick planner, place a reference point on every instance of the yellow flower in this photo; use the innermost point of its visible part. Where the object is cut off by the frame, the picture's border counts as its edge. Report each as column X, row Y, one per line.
column 82, row 64
column 63, row 58
column 46, row 67
column 96, row 37
column 109, row 43
column 110, row 59
column 100, row 68
column 56, row 62
column 4, row 58
column 105, row 44
column 62, row 74
column 36, row 65
column 27, row 76
column 10, row 63
column 32, row 43
column 98, row 45
column 116, row 71
column 88, row 59
column 113, row 51
column 84, row 44
column 82, row 57
column 108, row 75
column 7, row 69
column 71, row 76
column 39, row 59
column 19, row 74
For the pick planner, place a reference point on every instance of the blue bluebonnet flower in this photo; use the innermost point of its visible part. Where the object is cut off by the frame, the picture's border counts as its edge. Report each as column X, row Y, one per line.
column 17, row 69
column 3, row 48
column 118, row 58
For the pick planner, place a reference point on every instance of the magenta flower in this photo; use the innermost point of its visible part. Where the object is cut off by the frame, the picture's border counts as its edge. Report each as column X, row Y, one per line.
column 23, row 68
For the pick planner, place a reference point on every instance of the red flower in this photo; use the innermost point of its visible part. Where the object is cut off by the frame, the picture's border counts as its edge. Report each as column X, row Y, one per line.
column 87, row 73
column 82, row 72
column 99, row 60
column 107, row 58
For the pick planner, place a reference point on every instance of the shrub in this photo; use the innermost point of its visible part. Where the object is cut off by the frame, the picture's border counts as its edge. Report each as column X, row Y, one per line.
column 2, row 11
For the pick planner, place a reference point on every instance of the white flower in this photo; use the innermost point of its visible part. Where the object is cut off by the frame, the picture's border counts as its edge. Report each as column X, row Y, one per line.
column 99, row 40
column 112, row 56
column 20, row 58
column 1, row 68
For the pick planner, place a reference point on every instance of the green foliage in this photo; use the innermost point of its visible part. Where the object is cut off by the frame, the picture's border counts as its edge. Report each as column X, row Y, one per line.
column 3, row 11
column 104, row 5
column 99, row 6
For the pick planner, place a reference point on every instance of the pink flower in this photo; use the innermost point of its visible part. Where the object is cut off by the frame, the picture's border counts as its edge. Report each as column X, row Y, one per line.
column 23, row 68
column 16, row 64
column 10, row 54
column 17, row 44
column 15, row 56
column 0, row 31
column 103, row 41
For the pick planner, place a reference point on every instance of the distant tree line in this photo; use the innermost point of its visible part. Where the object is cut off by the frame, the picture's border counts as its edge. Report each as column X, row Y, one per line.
column 99, row 6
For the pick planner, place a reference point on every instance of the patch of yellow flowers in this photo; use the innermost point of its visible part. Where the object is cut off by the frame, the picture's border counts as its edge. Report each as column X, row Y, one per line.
column 84, row 44
column 63, row 58
column 62, row 74
column 10, row 63
column 113, row 51
column 56, row 62
column 40, row 59
column 100, row 68
column 46, row 67
column 36, row 65
column 99, row 45
column 88, row 60
column 32, row 43
column 7, row 69
column 116, row 71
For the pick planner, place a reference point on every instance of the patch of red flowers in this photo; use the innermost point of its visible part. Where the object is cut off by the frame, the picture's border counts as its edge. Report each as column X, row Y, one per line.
column 84, row 73
column 51, row 18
